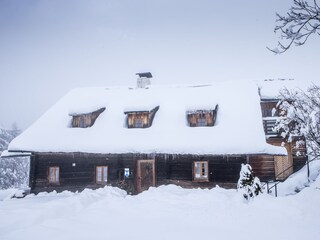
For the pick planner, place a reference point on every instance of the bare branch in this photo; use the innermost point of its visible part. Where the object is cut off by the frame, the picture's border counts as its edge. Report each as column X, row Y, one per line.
column 302, row 20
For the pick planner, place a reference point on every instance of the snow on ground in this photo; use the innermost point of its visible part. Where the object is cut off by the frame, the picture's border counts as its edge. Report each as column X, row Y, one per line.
column 166, row 212
column 299, row 180
column 7, row 194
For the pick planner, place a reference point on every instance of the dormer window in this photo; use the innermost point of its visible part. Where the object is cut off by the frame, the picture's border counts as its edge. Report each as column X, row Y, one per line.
column 140, row 119
column 202, row 118
column 84, row 120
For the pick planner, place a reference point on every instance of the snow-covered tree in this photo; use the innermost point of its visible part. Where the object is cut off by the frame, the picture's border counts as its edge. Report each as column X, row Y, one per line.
column 6, row 136
column 300, row 22
column 249, row 185
column 302, row 121
column 13, row 171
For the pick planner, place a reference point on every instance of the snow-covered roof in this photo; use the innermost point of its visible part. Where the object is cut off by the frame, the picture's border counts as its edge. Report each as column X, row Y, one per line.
column 7, row 154
column 238, row 128
column 270, row 88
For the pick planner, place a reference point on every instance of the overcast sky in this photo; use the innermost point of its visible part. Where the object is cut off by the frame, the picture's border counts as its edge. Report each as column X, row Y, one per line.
column 49, row 47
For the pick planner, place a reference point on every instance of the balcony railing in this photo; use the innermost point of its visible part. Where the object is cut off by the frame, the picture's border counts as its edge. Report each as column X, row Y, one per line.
column 268, row 125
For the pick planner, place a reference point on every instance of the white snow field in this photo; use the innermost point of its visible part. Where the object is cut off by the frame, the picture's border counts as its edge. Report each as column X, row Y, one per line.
column 166, row 212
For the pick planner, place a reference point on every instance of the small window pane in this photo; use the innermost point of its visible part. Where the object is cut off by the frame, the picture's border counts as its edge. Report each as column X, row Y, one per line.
column 201, row 170
column 138, row 123
column 204, row 170
column 99, row 174
column 105, row 174
column 202, row 122
column 102, row 174
column 197, row 170
column 53, row 175
column 57, row 174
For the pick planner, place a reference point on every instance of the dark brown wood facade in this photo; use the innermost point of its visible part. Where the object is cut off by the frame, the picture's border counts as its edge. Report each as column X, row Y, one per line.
column 137, row 172
column 78, row 171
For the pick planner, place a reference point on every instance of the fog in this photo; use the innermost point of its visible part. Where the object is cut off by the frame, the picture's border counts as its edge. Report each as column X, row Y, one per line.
column 49, row 47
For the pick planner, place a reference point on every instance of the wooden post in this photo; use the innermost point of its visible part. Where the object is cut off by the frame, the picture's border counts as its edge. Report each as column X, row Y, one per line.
column 308, row 170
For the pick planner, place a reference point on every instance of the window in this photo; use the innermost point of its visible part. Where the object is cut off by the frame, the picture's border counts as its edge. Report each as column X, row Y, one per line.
column 140, row 119
column 54, row 175
column 85, row 120
column 102, row 174
column 200, row 171
column 202, row 118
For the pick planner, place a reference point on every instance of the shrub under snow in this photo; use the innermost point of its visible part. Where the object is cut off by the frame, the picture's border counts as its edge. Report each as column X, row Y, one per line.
column 249, row 185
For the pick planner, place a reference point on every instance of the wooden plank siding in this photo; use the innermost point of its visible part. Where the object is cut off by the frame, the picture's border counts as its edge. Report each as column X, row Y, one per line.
column 77, row 170
column 263, row 167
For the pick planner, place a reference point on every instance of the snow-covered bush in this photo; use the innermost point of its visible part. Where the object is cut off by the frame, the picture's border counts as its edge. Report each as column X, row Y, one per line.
column 248, row 185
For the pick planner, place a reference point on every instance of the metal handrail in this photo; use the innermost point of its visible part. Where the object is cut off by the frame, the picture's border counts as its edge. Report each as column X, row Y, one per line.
column 278, row 181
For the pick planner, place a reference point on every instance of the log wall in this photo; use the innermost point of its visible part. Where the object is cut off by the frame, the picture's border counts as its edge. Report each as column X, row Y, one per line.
column 77, row 170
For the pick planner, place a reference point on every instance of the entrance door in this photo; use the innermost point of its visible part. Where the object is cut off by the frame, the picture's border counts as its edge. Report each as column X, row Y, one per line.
column 145, row 175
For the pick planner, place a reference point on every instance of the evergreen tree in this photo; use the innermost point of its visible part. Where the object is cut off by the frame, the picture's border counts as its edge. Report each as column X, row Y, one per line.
column 249, row 185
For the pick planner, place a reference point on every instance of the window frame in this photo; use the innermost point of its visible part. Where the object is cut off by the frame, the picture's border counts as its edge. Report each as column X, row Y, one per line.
column 102, row 181
column 202, row 178
column 138, row 119
column 54, row 180
column 201, row 118
column 85, row 120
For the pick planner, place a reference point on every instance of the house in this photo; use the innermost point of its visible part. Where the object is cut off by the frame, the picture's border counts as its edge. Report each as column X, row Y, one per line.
column 137, row 137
